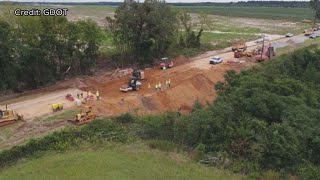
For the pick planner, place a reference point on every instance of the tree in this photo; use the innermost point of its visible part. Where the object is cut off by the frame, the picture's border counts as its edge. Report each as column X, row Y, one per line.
column 315, row 5
column 145, row 29
column 7, row 65
column 187, row 35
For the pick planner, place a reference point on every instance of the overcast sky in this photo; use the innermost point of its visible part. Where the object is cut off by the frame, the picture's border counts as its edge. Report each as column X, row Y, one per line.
column 122, row 0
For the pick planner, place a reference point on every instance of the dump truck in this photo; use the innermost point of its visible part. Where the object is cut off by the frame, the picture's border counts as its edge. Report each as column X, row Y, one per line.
column 308, row 32
column 8, row 116
column 57, row 107
column 316, row 27
column 239, row 46
column 138, row 74
column 85, row 116
column 306, row 21
column 166, row 63
column 239, row 54
column 133, row 84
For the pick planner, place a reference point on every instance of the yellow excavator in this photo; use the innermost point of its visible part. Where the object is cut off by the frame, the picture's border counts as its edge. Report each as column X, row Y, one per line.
column 8, row 116
column 84, row 116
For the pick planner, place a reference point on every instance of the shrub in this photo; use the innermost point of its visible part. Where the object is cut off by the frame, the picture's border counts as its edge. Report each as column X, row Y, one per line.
column 125, row 118
column 162, row 145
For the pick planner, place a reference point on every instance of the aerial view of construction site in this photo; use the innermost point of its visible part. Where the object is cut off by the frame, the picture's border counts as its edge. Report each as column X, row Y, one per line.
column 160, row 90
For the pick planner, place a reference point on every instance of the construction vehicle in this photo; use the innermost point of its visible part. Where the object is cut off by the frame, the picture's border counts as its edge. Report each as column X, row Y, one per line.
column 316, row 27
column 133, row 84
column 138, row 74
column 306, row 21
column 166, row 63
column 86, row 115
column 239, row 46
column 267, row 53
column 57, row 107
column 69, row 97
column 239, row 53
column 308, row 32
column 9, row 117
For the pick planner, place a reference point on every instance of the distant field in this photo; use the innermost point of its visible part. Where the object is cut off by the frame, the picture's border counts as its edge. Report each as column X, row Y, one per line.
column 293, row 14
column 110, row 162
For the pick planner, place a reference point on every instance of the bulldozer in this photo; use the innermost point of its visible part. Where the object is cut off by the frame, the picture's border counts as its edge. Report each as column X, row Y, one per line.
column 9, row 117
column 239, row 46
column 85, row 116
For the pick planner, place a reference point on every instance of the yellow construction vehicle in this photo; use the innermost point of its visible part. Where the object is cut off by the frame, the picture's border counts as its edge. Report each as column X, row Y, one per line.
column 308, row 32
column 84, row 117
column 9, row 117
column 239, row 46
column 57, row 107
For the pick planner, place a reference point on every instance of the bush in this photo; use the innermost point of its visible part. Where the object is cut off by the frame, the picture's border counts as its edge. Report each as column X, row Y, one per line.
column 125, row 118
column 162, row 145
column 200, row 151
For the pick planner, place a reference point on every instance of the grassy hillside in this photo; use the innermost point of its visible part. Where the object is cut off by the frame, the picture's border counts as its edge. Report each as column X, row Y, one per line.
column 295, row 14
column 112, row 162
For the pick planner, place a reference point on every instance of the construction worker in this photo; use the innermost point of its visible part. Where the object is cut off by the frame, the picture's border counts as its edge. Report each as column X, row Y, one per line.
column 159, row 86
column 98, row 95
column 169, row 83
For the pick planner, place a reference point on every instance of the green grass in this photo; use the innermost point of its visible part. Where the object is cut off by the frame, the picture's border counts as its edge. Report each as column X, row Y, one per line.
column 293, row 14
column 113, row 161
column 221, row 41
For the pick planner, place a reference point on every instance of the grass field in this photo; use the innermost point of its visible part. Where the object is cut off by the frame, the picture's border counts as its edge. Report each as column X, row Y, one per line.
column 221, row 41
column 292, row 14
column 113, row 162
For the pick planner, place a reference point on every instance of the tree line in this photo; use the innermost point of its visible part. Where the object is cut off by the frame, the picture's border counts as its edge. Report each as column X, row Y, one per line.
column 36, row 51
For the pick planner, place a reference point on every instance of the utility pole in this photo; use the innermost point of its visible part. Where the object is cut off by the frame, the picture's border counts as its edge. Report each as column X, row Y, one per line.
column 262, row 47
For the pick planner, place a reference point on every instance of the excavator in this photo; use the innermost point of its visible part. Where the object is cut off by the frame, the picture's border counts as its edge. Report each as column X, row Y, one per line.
column 8, row 116
column 85, row 116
